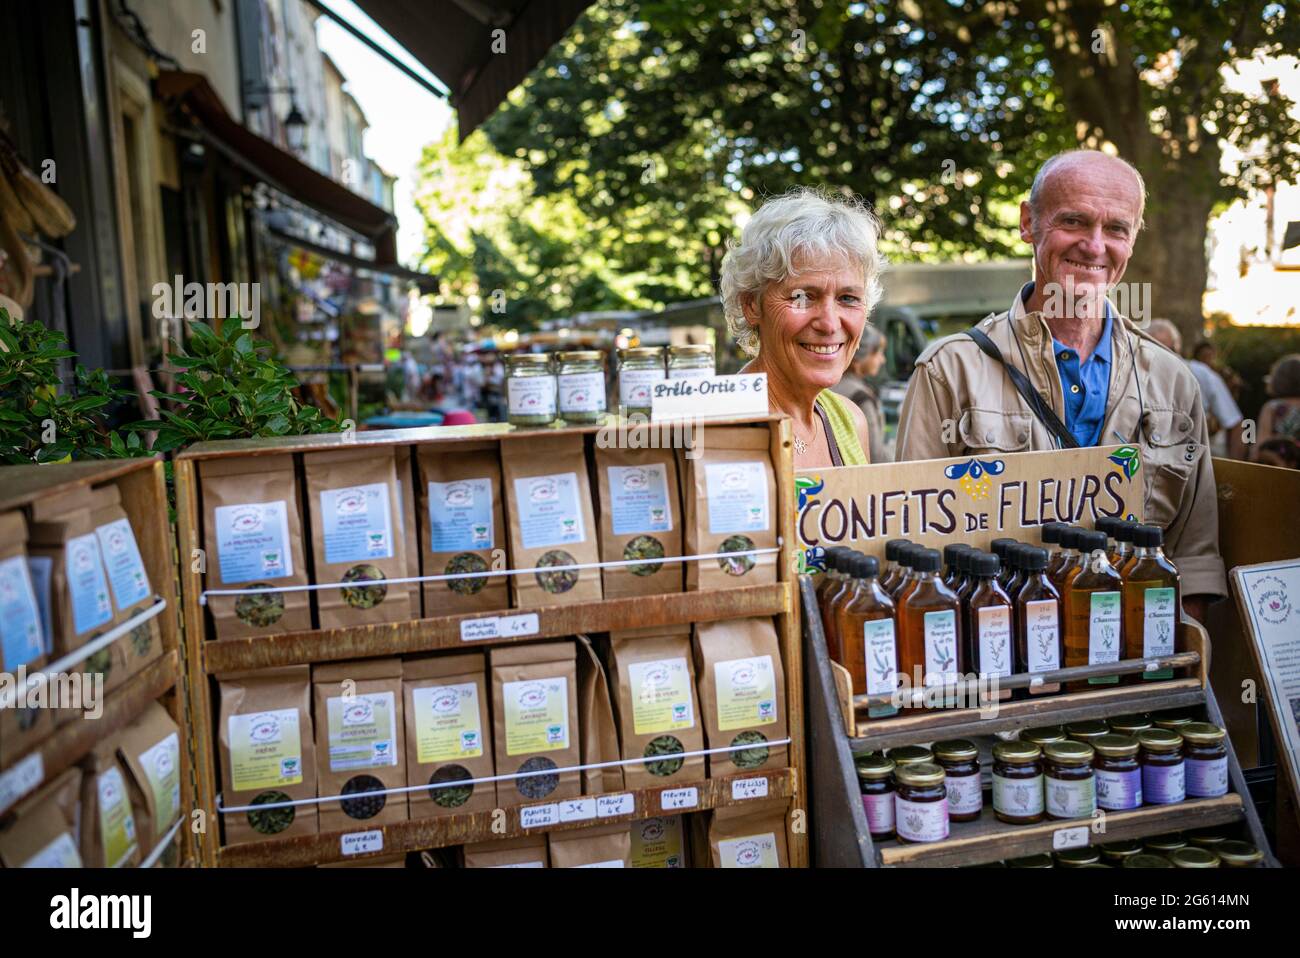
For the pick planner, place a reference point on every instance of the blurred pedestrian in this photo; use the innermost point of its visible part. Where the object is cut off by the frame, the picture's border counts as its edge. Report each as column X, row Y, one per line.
column 1280, row 416
column 1206, row 352
column 1222, row 415
column 857, row 386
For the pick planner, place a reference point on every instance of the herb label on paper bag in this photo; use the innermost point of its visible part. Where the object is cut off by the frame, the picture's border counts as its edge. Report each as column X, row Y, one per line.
column 746, row 692
column 639, row 499
column 125, row 567
column 358, row 523
column 673, row 799
column 21, row 638
column 743, row 788
column 752, row 851
column 253, row 542
column 22, row 778
column 460, row 515
column 737, row 497
column 361, row 843
column 539, row 816
column 710, row 397
column 362, row 731
column 549, row 513
column 161, row 765
column 447, row 723
column 84, row 567
column 537, row 715
column 661, row 696
column 265, row 750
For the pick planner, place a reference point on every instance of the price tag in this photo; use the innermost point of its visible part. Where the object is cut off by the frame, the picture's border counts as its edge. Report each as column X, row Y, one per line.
column 539, row 816
column 578, row 810
column 1154, row 665
column 743, row 788
column 607, row 806
column 1076, row 837
column 21, row 779
column 710, row 397
column 499, row 627
column 361, row 843
column 675, row 799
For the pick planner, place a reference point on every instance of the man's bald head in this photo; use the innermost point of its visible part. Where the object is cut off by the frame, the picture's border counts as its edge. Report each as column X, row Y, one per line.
column 1076, row 163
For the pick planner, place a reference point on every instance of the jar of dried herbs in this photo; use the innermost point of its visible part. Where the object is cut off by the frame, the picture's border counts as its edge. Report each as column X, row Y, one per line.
column 642, row 368
column 581, row 377
column 690, row 362
column 530, row 390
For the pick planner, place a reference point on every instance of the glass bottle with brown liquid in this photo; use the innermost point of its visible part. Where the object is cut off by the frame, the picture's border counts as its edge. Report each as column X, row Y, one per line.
column 834, row 602
column 1108, row 524
column 832, row 582
column 907, row 580
column 990, row 651
column 1039, row 632
column 1124, row 532
column 951, row 574
column 1152, row 601
column 999, row 548
column 1063, row 561
column 930, row 625
column 893, row 570
column 966, row 580
column 866, row 627
column 1051, row 538
column 1094, row 620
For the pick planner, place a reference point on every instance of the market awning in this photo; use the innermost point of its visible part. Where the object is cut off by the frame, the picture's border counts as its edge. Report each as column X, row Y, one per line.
column 277, row 167
column 455, row 40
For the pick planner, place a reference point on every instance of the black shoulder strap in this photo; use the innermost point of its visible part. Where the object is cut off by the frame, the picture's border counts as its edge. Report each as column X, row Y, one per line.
column 1045, row 414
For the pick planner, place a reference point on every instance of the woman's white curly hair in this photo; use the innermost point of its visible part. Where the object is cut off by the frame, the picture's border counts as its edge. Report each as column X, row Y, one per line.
column 817, row 226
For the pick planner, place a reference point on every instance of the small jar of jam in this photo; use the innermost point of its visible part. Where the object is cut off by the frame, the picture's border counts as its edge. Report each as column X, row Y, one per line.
column 1129, row 724
column 921, row 803
column 1115, row 852
column 1193, row 858
column 876, row 782
column 1164, row 844
column 1086, row 731
column 1018, row 782
column 1173, row 720
column 1078, row 857
column 910, row 755
column 1235, row 854
column 1205, row 756
column 1069, row 786
column 1145, row 860
column 1118, row 774
column 960, row 761
column 1043, row 736
column 1163, row 774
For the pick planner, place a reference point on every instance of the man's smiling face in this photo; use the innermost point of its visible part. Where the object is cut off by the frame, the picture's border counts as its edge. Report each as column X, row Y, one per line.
column 1089, row 211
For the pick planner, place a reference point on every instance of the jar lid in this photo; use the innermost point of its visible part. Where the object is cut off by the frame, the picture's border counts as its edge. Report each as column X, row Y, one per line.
column 581, row 356
column 1171, row 720
column 1130, row 724
column 1147, row 861
column 956, row 750
column 642, row 352
column 1069, row 753
column 1017, row 753
column 1235, row 854
column 695, row 349
column 1207, row 838
column 1031, row 861
column 1165, row 843
column 1078, row 857
column 1194, row 858
column 919, row 774
column 910, row 754
column 1202, row 733
column 1086, row 730
column 1116, row 851
column 1160, row 740
column 1041, row 736
column 528, row 359
column 1115, row 746
column 874, row 766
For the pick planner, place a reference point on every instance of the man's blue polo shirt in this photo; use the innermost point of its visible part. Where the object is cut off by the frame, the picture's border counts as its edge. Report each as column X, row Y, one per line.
column 1086, row 385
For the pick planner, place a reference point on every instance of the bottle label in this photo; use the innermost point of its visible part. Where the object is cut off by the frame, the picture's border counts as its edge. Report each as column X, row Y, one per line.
column 921, row 821
column 530, row 395
column 965, row 794
column 1207, row 779
column 690, row 372
column 1158, row 623
column 881, row 652
column 582, row 392
column 1018, row 797
column 940, row 629
column 1164, row 784
column 1104, row 617
column 880, row 813
column 636, row 385
column 1071, row 799
column 994, row 628
column 1117, row 791
column 1043, row 631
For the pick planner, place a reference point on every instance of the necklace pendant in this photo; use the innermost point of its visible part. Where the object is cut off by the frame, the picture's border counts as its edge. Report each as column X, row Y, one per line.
column 800, row 446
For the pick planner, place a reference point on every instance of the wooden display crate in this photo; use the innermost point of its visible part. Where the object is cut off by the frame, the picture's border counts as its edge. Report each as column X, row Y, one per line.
column 143, row 489
column 211, row 656
column 840, row 834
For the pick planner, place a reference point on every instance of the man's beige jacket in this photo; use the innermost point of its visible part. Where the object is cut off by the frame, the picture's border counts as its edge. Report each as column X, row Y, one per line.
column 956, row 385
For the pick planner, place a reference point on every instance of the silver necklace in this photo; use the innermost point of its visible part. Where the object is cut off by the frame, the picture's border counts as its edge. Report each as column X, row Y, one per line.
column 800, row 446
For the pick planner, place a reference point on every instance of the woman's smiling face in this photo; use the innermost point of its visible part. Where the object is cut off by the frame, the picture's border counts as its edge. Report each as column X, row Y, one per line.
column 810, row 322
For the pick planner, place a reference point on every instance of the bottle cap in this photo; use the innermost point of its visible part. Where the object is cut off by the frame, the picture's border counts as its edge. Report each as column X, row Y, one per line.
column 925, row 560
column 986, row 564
column 1070, row 537
column 833, row 556
column 1091, row 541
column 999, row 547
column 951, row 551
column 1124, row 530
column 1106, row 524
column 865, row 567
column 1015, row 555
column 1051, row 532
column 1033, row 559
column 1148, row 537
column 892, row 548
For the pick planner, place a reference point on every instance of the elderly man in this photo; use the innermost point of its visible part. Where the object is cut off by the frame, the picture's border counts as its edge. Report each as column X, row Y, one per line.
column 1061, row 368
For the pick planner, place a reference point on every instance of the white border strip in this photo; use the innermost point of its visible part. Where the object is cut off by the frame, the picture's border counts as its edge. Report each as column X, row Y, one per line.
column 497, row 778
column 161, row 847
column 36, row 679
column 667, row 560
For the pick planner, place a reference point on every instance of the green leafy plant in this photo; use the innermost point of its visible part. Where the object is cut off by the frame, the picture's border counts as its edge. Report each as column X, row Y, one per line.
column 234, row 388
column 38, row 422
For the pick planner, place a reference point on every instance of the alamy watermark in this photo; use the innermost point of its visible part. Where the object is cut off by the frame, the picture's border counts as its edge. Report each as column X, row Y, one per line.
column 83, row 691
column 637, row 431
column 209, row 301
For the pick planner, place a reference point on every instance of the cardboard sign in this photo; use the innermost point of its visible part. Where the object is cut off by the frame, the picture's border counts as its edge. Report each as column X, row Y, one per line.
column 710, row 397
column 972, row 500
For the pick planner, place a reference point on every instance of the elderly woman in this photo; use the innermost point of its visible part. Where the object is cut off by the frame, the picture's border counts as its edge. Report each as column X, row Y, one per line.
column 797, row 289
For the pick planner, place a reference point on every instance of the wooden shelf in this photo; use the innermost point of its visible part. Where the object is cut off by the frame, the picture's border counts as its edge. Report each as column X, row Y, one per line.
column 989, row 840
column 932, row 725
column 444, row 632
column 400, row 837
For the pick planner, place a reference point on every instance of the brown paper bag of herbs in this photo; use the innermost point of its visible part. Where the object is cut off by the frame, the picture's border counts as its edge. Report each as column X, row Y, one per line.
column 602, row 846
column 268, row 754
column 356, row 537
column 657, row 711
column 462, row 527
column 360, row 742
column 597, row 728
column 128, row 581
column 150, row 751
column 640, row 518
column 527, row 851
column 742, row 694
column 42, row 829
column 659, row 843
column 22, row 639
column 535, row 721
column 252, row 534
column 751, row 835
column 407, row 524
column 729, row 492
column 448, row 735
column 551, row 519
column 109, row 836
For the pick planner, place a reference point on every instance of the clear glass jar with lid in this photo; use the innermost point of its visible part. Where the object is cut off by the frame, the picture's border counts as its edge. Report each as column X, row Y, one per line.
column 1070, row 788
column 581, row 381
column 530, row 390
column 690, row 362
column 1018, row 782
column 920, row 803
column 1205, row 760
column 1235, row 854
column 959, row 760
column 876, row 782
column 640, row 369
